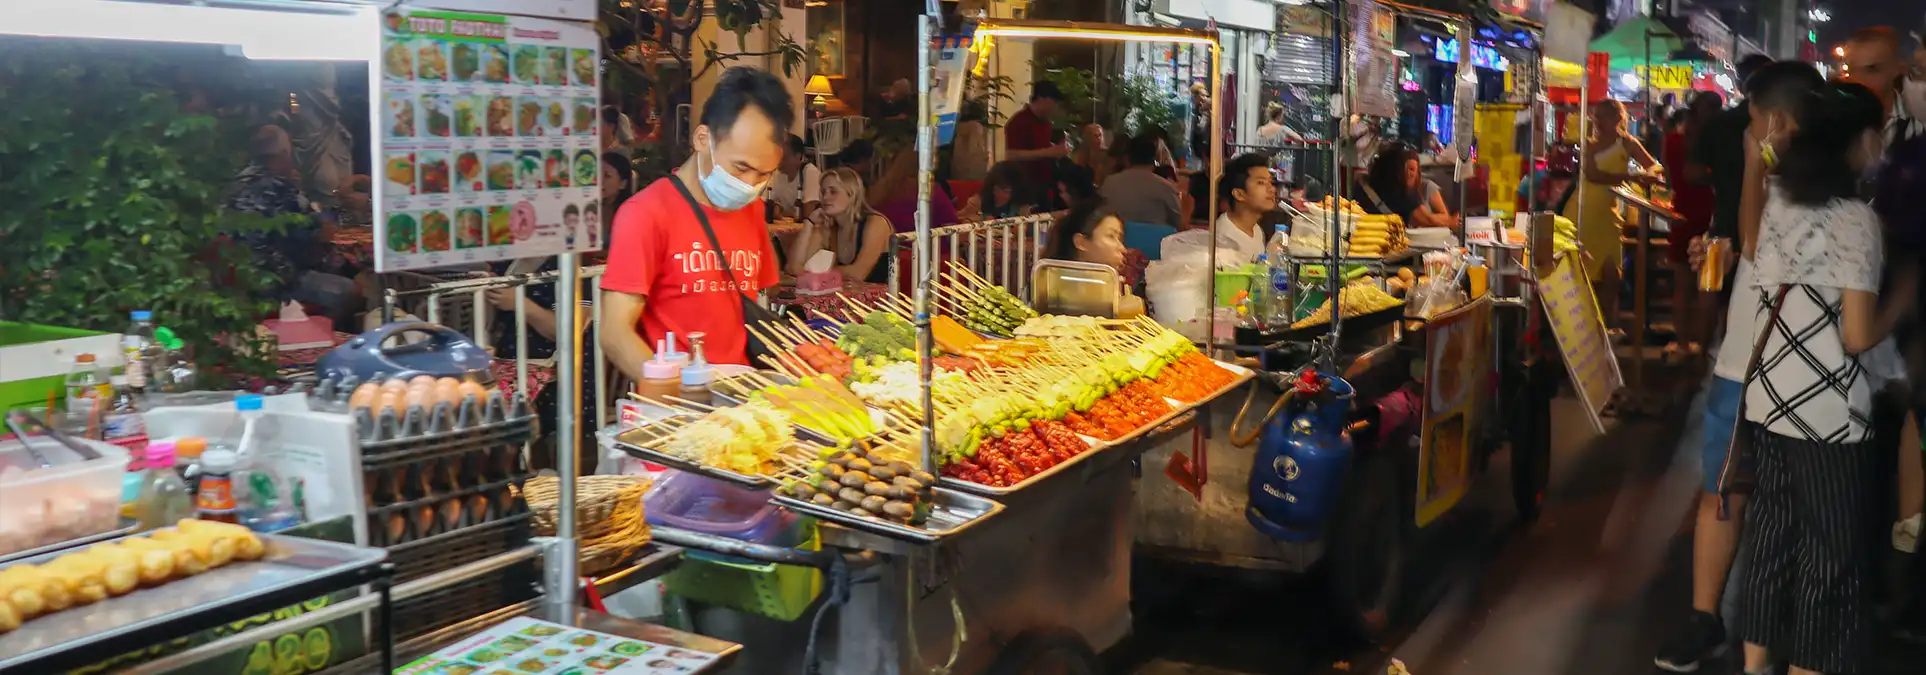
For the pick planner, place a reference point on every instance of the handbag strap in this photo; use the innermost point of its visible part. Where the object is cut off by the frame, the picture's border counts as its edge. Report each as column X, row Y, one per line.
column 728, row 271
column 1758, row 344
column 1375, row 199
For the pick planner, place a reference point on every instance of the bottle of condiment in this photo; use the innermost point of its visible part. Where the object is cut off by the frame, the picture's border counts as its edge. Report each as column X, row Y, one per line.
column 696, row 377
column 86, row 388
column 681, row 359
column 660, row 376
column 123, row 418
column 187, row 461
column 164, row 499
column 214, row 500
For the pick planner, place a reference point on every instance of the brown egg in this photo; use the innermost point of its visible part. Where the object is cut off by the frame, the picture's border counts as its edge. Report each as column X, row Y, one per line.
column 421, row 381
column 467, row 389
column 418, row 396
column 447, row 382
column 364, row 396
column 448, row 391
column 398, row 386
column 389, row 400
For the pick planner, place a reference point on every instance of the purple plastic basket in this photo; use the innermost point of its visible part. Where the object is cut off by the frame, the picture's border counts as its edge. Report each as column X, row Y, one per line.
column 698, row 504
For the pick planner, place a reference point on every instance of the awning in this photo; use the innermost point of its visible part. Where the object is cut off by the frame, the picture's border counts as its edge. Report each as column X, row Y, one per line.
column 1626, row 42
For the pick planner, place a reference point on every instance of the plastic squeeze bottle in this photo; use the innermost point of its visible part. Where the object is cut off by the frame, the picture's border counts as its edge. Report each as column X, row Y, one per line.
column 214, row 500
column 164, row 499
column 660, row 376
column 696, row 377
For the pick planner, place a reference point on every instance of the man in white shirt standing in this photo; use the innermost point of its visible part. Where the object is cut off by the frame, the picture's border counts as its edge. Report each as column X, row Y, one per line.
column 797, row 188
column 1246, row 186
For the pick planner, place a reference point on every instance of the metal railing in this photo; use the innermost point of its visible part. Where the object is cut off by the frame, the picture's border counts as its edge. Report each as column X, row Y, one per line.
column 463, row 305
column 1001, row 250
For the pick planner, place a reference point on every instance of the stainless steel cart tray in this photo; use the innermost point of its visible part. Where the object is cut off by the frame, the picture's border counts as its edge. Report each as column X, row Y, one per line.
column 127, row 527
column 292, row 564
column 631, row 442
column 954, row 512
column 1243, row 375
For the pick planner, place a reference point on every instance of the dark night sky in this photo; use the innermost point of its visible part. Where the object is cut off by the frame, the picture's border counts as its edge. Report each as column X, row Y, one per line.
column 1850, row 15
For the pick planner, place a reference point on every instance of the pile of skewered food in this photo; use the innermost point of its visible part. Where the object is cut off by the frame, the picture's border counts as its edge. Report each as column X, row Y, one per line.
column 116, row 568
column 864, row 483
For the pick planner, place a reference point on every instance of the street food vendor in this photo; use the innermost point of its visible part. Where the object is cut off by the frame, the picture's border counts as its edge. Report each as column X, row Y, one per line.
column 1247, row 187
column 1089, row 232
column 688, row 246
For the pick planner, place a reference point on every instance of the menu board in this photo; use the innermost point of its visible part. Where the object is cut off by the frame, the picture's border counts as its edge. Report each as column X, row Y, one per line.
column 489, row 139
column 1573, row 314
column 524, row 646
column 1457, row 383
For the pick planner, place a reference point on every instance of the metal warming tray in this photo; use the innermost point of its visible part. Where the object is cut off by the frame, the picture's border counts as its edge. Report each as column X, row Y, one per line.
column 294, row 569
column 636, row 442
column 953, row 513
column 1075, row 288
column 1096, row 446
column 127, row 527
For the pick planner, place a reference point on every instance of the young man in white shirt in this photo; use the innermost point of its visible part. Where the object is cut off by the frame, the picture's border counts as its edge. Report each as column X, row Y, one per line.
column 1246, row 186
column 797, row 190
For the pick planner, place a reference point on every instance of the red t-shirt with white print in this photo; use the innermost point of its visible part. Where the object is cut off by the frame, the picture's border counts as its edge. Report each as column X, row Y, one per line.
column 658, row 250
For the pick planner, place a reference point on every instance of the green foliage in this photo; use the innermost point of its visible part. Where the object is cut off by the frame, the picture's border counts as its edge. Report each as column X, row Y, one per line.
column 1145, row 104
column 114, row 201
column 1079, row 87
column 986, row 98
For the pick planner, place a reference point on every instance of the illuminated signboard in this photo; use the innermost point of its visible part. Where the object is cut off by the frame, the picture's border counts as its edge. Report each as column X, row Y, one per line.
column 1446, row 50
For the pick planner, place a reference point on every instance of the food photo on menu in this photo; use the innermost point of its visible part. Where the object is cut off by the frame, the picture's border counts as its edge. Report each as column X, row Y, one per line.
column 528, row 170
column 501, row 116
column 501, row 170
column 528, row 116
column 584, row 65
column 401, row 117
column 401, row 232
column 527, row 646
column 556, row 117
column 435, row 111
column 555, row 169
column 528, row 64
column 433, row 169
column 495, row 64
column 431, row 60
column 555, row 67
column 584, row 121
column 399, row 172
column 501, row 231
column 435, row 235
column 587, row 168
column 468, row 172
column 469, row 232
column 397, row 61
column 469, row 117
column 465, row 59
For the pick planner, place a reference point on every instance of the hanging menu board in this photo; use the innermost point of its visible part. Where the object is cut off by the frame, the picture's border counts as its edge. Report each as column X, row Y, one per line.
column 489, row 144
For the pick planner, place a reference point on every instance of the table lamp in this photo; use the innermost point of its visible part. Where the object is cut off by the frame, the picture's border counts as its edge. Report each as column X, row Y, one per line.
column 818, row 87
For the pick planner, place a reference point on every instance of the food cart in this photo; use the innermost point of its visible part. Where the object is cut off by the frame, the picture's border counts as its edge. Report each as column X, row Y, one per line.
column 1434, row 401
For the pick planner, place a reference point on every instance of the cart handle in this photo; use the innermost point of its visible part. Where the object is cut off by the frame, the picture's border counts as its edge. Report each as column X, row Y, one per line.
column 821, row 560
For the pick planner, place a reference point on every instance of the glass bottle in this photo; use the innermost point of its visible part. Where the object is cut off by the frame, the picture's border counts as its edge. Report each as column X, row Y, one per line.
column 164, row 499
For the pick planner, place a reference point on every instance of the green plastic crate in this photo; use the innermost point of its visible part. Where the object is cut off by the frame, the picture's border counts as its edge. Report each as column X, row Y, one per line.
column 35, row 359
column 780, row 592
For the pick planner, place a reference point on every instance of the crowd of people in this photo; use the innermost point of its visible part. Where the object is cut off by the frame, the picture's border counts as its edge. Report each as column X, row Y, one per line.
column 1809, row 412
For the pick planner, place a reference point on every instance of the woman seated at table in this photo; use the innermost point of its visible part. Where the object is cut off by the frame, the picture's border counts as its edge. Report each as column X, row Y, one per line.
column 1395, row 186
column 894, row 196
column 846, row 226
column 1002, row 196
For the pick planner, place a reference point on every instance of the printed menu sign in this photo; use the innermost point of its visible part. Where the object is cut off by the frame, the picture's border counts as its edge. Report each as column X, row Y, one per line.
column 1572, row 312
column 524, row 646
column 489, row 139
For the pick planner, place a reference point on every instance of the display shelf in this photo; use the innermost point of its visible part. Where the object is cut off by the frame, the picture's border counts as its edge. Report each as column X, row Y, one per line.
column 293, row 571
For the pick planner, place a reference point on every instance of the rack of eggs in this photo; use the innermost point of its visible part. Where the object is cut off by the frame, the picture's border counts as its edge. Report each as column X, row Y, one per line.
column 395, row 408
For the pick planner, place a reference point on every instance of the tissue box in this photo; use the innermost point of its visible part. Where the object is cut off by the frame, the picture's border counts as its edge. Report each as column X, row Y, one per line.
column 819, row 283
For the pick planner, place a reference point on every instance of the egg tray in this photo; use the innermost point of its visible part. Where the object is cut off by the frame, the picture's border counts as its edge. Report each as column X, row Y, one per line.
column 445, row 513
column 395, row 483
column 386, row 438
column 432, row 611
column 450, row 550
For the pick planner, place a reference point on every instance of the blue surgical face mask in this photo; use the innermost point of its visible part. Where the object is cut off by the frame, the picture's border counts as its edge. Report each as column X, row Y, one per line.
column 726, row 191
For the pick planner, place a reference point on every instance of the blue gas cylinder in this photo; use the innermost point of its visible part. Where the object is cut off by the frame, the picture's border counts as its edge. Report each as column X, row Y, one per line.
column 1298, row 473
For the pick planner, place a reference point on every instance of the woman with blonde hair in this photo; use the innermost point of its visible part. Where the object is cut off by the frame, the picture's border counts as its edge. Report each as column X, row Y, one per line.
column 1605, row 165
column 846, row 226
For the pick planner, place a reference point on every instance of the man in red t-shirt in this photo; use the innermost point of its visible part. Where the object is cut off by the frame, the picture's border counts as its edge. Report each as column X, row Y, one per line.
column 1026, row 141
column 665, row 274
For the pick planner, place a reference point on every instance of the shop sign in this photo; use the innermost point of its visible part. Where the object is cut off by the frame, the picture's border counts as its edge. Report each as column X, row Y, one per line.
column 1303, row 20
column 1457, row 369
column 1572, row 313
column 489, row 143
column 574, row 10
column 1667, row 76
column 946, row 85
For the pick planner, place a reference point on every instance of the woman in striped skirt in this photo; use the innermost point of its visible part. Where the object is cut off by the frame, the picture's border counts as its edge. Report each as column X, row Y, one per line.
column 1826, row 348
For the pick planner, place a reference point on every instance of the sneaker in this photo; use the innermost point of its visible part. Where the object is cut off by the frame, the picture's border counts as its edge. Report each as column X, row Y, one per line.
column 1702, row 637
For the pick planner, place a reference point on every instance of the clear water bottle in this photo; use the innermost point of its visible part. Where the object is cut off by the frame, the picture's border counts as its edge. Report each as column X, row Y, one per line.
column 164, row 497
column 1278, row 298
column 175, row 373
column 264, row 499
column 140, row 351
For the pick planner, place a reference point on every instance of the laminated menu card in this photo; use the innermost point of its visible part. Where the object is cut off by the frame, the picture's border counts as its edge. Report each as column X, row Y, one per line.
column 524, row 646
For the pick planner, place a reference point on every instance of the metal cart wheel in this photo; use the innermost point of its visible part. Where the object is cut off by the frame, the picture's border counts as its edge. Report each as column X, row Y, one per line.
column 1047, row 651
column 1369, row 540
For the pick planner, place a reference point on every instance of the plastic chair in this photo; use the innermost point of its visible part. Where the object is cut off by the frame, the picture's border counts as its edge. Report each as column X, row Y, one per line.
column 1147, row 237
column 831, row 135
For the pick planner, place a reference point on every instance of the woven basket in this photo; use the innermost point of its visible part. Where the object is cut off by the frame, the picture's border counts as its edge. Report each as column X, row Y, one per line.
column 608, row 516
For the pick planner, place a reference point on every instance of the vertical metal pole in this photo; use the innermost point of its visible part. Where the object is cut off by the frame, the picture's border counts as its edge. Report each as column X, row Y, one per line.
column 925, row 255
column 563, row 579
column 601, row 366
column 1214, row 167
column 1332, row 275
column 480, row 316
